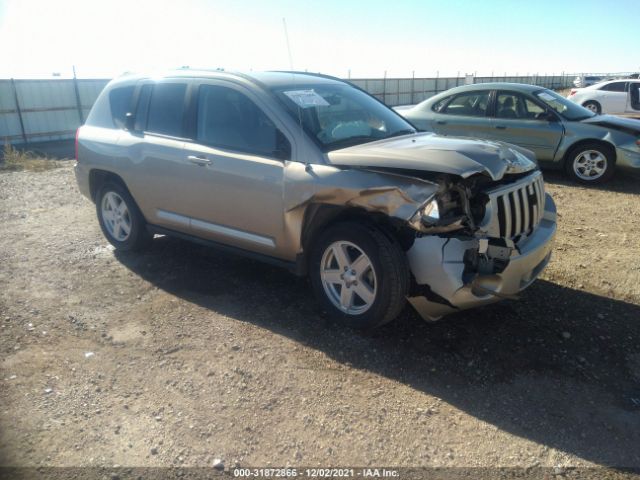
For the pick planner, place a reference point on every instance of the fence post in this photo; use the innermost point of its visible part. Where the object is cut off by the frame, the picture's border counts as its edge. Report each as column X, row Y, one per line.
column 78, row 104
column 15, row 97
column 413, row 85
column 458, row 79
column 436, row 85
column 384, row 88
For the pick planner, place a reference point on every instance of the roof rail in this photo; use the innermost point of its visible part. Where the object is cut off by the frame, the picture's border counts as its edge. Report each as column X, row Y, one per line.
column 319, row 75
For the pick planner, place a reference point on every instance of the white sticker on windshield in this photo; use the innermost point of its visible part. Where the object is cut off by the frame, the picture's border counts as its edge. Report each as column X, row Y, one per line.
column 546, row 96
column 306, row 98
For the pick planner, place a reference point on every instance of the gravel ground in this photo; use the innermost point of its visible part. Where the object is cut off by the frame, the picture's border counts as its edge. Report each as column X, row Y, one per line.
column 182, row 355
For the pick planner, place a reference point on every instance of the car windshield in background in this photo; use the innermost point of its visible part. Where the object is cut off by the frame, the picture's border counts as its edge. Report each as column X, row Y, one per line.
column 566, row 108
column 339, row 116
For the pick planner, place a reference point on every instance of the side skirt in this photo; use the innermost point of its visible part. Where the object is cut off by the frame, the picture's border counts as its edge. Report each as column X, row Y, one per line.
column 293, row 267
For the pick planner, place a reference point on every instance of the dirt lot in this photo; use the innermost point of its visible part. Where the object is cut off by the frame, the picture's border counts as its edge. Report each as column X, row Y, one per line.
column 184, row 355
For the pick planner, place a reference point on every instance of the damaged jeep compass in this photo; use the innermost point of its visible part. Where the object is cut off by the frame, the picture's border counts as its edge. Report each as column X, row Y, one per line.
column 312, row 173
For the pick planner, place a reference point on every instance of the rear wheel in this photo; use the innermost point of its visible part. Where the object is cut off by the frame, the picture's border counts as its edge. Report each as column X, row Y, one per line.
column 590, row 163
column 594, row 106
column 359, row 275
column 120, row 219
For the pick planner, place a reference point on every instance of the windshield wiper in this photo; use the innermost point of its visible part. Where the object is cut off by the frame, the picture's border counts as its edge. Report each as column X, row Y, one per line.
column 405, row 131
column 350, row 141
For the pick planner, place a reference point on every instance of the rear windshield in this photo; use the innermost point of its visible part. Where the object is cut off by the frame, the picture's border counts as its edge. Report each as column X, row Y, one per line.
column 339, row 115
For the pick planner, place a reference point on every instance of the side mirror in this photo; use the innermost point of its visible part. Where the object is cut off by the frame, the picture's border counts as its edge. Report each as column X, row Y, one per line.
column 549, row 116
column 129, row 121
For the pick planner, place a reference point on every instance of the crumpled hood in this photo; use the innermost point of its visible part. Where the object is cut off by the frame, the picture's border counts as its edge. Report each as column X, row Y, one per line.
column 615, row 123
column 433, row 153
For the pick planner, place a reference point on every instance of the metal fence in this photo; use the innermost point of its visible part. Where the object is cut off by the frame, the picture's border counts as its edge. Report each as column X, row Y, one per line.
column 34, row 111
column 409, row 91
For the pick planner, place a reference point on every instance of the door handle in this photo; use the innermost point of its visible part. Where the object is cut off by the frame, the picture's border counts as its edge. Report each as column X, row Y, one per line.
column 501, row 127
column 441, row 122
column 199, row 160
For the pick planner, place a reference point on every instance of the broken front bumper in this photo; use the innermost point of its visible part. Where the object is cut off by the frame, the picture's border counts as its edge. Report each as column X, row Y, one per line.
column 445, row 284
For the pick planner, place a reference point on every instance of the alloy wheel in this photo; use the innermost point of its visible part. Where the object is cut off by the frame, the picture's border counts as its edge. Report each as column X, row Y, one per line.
column 348, row 277
column 116, row 216
column 590, row 165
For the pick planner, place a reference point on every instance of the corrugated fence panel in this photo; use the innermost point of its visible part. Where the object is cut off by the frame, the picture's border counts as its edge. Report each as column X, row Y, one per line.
column 50, row 107
column 43, row 94
column 9, row 121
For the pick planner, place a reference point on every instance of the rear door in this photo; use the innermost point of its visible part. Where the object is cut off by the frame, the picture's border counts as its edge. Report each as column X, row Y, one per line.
column 520, row 120
column 613, row 97
column 158, row 177
column 464, row 115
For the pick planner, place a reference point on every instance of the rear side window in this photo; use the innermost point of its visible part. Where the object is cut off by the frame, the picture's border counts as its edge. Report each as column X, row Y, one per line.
column 120, row 104
column 230, row 120
column 166, row 109
column 614, row 87
column 471, row 104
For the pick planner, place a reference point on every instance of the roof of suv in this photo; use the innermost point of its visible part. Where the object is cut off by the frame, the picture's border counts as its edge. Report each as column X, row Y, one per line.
column 266, row 79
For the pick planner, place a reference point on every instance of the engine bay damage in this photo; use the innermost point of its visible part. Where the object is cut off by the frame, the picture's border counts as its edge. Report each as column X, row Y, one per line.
column 457, row 257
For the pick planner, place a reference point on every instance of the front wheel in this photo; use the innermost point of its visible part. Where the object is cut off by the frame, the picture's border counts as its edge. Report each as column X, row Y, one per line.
column 590, row 163
column 120, row 219
column 359, row 275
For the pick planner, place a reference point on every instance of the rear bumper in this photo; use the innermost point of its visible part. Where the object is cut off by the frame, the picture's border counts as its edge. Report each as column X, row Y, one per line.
column 438, row 266
column 82, row 179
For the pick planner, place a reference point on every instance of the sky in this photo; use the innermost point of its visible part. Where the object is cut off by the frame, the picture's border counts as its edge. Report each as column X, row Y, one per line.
column 345, row 38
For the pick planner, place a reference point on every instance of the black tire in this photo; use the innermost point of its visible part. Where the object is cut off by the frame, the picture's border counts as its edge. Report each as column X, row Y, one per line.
column 594, row 106
column 583, row 149
column 388, row 262
column 138, row 237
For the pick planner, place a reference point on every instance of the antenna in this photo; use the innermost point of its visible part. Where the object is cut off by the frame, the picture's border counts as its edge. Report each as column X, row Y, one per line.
column 307, row 166
column 286, row 36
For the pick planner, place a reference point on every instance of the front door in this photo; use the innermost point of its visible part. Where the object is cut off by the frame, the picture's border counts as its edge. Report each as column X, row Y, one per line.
column 237, row 157
column 633, row 98
column 521, row 121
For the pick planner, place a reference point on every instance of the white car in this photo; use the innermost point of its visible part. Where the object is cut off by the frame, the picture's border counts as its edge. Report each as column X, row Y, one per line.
column 614, row 96
column 586, row 81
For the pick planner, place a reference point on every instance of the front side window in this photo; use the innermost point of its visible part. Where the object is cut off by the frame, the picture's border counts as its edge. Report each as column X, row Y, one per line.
column 470, row 104
column 339, row 115
column 515, row 105
column 166, row 109
column 614, row 87
column 566, row 108
column 228, row 119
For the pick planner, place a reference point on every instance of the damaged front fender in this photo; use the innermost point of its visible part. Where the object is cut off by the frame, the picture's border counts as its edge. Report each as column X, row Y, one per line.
column 397, row 196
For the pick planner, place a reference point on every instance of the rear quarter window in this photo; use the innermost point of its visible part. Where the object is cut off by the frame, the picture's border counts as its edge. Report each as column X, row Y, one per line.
column 120, row 104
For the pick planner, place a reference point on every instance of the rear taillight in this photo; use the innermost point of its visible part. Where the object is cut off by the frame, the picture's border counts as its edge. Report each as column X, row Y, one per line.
column 77, row 133
column 573, row 92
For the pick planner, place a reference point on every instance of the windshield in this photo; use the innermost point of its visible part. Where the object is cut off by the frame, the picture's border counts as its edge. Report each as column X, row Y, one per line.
column 338, row 116
column 566, row 108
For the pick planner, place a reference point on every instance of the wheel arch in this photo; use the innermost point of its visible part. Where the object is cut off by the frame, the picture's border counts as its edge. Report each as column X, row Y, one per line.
column 320, row 216
column 608, row 145
column 98, row 177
